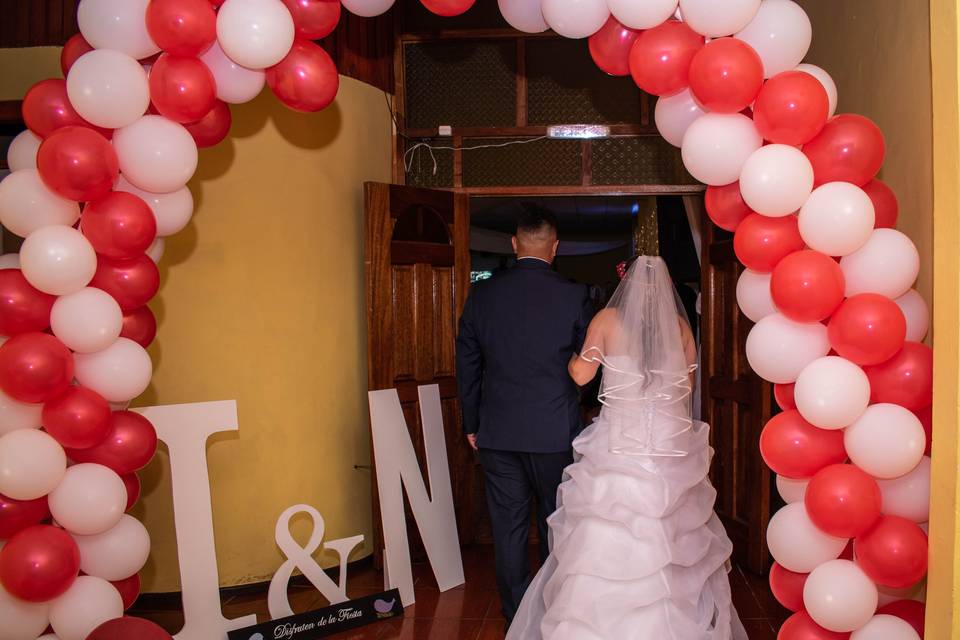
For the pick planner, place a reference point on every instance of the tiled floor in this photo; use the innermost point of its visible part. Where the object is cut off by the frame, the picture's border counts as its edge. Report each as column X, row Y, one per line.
column 469, row 612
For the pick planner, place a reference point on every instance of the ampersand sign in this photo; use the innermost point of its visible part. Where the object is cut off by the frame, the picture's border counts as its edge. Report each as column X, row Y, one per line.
column 302, row 558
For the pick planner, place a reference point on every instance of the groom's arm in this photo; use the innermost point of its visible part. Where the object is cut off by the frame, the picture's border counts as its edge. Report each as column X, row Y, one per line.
column 469, row 371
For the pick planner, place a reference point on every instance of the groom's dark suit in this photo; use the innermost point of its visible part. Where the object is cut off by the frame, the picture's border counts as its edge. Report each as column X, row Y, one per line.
column 517, row 333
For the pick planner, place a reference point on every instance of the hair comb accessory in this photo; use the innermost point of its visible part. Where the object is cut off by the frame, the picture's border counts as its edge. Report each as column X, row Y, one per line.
column 622, row 269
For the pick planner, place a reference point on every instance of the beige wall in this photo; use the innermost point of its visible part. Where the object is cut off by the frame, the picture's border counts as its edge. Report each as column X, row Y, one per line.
column 262, row 301
column 878, row 52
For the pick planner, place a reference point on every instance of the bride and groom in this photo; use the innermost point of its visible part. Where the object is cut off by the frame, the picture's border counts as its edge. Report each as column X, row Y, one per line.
column 635, row 549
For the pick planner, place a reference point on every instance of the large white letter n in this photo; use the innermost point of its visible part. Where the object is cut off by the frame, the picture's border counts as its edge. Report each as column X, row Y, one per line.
column 397, row 468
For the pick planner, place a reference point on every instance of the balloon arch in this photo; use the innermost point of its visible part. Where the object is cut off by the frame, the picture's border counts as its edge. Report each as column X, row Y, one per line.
column 827, row 281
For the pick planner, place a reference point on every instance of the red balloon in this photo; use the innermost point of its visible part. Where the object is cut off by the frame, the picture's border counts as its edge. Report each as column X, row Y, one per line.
column 787, row 587
column 800, row 626
column 610, row 47
column 905, row 379
column 129, row 589
column 132, row 483
column 447, row 8
column 217, row 3
column 847, row 553
column 893, row 553
column 726, row 75
column 22, row 308
column 885, row 204
column 867, row 328
column 315, row 19
column 849, row 148
column 783, row 393
column 140, row 325
column 307, row 79
column 75, row 47
column 807, row 286
column 794, row 448
column 842, row 500
column 925, row 416
column 131, row 282
column 129, row 627
column 791, row 109
column 182, row 27
column 182, row 88
column 34, row 367
column 47, row 108
column 660, row 58
column 761, row 242
column 212, row 128
column 16, row 515
column 78, row 163
column 128, row 447
column 77, row 418
column 910, row 610
column 119, row 225
column 725, row 206
column 39, row 563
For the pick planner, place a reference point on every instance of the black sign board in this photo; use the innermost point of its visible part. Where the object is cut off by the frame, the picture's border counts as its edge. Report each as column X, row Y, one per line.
column 326, row 621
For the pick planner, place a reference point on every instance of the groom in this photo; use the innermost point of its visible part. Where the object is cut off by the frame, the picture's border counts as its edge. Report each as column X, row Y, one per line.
column 520, row 407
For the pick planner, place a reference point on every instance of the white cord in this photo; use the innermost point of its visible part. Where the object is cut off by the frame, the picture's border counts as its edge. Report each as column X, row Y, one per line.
column 409, row 154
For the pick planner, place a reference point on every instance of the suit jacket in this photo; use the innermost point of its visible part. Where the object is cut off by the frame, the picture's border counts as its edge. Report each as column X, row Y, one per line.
column 517, row 333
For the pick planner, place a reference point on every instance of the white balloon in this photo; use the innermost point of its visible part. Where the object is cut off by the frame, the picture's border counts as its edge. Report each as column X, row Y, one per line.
column 885, row 627
column 640, row 15
column 255, row 33
column 89, row 500
column 839, row 596
column 22, row 620
column 117, row 553
column 778, row 348
column 367, row 8
column 837, row 219
column 10, row 261
column 791, row 490
column 172, row 210
column 909, row 495
column 575, row 18
column 117, row 24
column 108, row 88
column 58, row 260
column 674, row 114
column 235, row 84
column 523, row 15
column 753, row 295
column 26, row 204
column 708, row 19
column 776, row 180
column 31, row 464
column 917, row 314
column 155, row 250
column 832, row 392
column 119, row 373
column 797, row 544
column 156, row 154
column 781, row 33
column 22, row 152
column 826, row 80
column 887, row 264
column 87, row 604
column 887, row 441
column 18, row 415
column 86, row 321
column 716, row 146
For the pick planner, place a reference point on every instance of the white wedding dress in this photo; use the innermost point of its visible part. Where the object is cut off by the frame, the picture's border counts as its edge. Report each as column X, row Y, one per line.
column 637, row 552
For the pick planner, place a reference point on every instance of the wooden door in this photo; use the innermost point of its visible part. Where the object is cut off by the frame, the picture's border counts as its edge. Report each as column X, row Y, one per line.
column 736, row 404
column 417, row 253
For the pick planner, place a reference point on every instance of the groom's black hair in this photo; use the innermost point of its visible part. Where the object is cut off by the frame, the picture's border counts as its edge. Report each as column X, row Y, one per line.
column 535, row 218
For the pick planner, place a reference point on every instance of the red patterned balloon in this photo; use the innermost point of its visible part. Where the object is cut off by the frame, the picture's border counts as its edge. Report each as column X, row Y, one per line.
column 34, row 367
column 660, row 58
column 905, row 379
column 787, row 587
column 22, row 307
column 726, row 75
column 75, row 47
column 842, row 500
column 212, row 128
column 725, row 206
column 140, row 325
column 307, row 79
column 893, row 553
column 849, row 148
column 182, row 88
column 314, row 19
column 794, row 448
column 119, row 225
column 77, row 418
column 39, row 563
column 78, row 163
column 182, row 27
column 885, row 205
column 761, row 242
column 128, row 447
column 131, row 282
column 16, row 515
column 791, row 108
column 610, row 47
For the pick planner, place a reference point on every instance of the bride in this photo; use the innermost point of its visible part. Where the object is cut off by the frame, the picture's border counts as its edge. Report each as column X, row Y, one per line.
column 637, row 551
